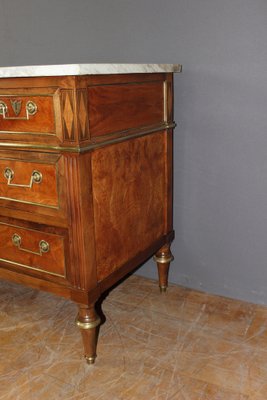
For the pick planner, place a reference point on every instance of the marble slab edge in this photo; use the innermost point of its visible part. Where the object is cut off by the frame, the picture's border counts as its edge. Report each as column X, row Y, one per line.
column 85, row 69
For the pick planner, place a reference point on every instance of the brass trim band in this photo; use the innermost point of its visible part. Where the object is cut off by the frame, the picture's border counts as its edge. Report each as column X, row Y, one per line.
column 29, row 202
column 32, row 268
column 163, row 259
column 126, row 136
column 87, row 325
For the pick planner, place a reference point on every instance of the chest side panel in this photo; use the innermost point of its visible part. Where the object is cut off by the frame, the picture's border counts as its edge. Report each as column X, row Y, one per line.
column 129, row 196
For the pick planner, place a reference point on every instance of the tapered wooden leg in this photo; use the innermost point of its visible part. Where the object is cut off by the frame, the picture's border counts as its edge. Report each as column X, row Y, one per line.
column 163, row 258
column 88, row 321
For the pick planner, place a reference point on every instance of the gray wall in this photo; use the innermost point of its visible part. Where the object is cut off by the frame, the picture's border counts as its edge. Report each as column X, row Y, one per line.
column 220, row 107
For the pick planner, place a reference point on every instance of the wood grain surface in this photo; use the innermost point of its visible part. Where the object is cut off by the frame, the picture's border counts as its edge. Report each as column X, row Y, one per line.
column 41, row 122
column 129, row 194
column 122, row 106
column 50, row 262
column 44, row 193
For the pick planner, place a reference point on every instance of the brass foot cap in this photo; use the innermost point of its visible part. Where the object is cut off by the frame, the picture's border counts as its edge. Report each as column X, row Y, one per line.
column 90, row 360
column 163, row 289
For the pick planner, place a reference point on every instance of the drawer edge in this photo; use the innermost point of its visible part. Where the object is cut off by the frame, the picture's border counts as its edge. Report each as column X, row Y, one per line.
column 33, row 268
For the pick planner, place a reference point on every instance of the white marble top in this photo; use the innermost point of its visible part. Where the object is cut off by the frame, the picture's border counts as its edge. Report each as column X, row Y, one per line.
column 85, row 69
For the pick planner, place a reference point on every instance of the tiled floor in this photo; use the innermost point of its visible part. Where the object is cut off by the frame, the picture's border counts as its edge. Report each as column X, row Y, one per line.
column 182, row 345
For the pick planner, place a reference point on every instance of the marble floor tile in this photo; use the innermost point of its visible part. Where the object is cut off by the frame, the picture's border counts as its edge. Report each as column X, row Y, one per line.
column 183, row 345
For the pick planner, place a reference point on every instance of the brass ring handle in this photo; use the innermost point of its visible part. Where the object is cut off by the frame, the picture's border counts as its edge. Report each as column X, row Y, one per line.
column 43, row 245
column 30, row 109
column 36, row 177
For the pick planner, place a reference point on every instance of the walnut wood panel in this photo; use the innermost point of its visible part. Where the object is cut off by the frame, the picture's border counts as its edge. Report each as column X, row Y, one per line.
column 169, row 152
column 81, row 221
column 169, row 183
column 129, row 189
column 119, row 107
column 42, row 122
column 44, row 193
column 28, row 255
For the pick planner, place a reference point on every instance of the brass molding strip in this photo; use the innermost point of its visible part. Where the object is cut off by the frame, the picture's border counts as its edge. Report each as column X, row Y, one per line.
column 92, row 146
column 29, row 202
column 129, row 132
column 32, row 268
column 29, row 133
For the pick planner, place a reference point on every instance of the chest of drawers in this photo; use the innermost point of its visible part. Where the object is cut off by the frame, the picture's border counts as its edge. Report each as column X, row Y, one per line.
column 85, row 179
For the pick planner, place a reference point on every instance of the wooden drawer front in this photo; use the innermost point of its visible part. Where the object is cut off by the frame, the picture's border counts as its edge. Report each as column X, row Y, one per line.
column 32, row 249
column 28, row 113
column 114, row 108
column 32, row 182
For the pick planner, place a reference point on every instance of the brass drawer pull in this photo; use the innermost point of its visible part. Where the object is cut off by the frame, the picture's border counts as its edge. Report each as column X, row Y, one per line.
column 43, row 245
column 30, row 109
column 36, row 177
